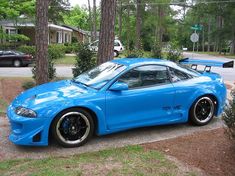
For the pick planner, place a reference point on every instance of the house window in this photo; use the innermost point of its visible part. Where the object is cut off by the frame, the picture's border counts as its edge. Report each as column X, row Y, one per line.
column 10, row 32
column 59, row 37
column 66, row 38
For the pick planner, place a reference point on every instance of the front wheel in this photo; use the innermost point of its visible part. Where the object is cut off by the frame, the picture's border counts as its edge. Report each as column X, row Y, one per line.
column 73, row 127
column 202, row 111
column 16, row 63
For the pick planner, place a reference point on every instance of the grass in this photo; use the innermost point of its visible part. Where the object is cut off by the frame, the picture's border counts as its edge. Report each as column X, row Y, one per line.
column 3, row 106
column 131, row 160
column 217, row 54
column 67, row 60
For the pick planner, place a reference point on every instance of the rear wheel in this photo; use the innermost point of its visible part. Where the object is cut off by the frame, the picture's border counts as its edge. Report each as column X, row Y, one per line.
column 17, row 63
column 202, row 111
column 73, row 127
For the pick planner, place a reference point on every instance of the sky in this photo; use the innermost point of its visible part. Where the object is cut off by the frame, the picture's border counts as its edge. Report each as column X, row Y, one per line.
column 82, row 2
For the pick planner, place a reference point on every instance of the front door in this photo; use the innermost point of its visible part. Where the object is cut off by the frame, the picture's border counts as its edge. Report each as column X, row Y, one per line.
column 148, row 101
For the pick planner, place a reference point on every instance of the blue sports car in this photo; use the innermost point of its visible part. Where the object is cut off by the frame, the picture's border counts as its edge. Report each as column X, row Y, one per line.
column 115, row 96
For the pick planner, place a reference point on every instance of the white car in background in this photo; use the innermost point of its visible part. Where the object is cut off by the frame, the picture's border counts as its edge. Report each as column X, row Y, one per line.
column 118, row 47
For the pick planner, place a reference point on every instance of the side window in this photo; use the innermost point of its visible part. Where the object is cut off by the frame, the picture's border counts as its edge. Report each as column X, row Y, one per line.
column 145, row 76
column 177, row 75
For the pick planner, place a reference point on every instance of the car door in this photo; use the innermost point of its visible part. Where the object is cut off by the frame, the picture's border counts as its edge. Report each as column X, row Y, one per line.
column 6, row 58
column 185, row 87
column 147, row 101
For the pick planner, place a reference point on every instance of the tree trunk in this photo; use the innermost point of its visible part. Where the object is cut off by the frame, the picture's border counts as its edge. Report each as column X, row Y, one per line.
column 203, row 38
column 209, row 33
column 94, row 20
column 41, row 36
column 120, row 21
column 232, row 49
column 106, row 38
column 90, row 18
column 138, row 25
column 128, row 26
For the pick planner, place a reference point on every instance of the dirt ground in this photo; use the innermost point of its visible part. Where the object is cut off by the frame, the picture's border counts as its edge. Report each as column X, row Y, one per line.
column 211, row 151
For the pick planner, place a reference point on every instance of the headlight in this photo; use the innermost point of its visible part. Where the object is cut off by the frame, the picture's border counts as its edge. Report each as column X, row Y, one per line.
column 25, row 112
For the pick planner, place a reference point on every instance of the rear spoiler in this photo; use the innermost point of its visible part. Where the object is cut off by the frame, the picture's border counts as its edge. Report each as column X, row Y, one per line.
column 207, row 63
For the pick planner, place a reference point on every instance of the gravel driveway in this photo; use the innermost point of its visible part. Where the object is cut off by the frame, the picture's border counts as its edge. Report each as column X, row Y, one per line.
column 131, row 137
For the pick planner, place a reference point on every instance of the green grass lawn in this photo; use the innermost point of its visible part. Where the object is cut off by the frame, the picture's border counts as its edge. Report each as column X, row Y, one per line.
column 217, row 54
column 132, row 160
column 3, row 106
column 67, row 60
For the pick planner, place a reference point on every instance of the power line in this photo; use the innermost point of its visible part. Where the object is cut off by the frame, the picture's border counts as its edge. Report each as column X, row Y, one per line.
column 181, row 3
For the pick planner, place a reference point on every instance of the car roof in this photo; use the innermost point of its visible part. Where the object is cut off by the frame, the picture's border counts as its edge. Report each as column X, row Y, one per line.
column 132, row 62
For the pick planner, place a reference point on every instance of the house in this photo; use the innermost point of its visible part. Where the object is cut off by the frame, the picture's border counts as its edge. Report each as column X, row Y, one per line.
column 78, row 34
column 57, row 34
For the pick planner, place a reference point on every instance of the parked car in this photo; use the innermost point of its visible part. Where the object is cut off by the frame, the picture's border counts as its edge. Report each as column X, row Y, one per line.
column 118, row 47
column 118, row 95
column 15, row 58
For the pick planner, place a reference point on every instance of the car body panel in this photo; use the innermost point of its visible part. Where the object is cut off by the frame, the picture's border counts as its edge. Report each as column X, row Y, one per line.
column 114, row 110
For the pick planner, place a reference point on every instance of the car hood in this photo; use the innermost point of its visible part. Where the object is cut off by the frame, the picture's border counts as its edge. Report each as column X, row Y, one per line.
column 51, row 93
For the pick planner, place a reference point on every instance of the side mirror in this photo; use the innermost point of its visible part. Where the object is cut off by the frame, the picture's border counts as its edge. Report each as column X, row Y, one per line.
column 119, row 86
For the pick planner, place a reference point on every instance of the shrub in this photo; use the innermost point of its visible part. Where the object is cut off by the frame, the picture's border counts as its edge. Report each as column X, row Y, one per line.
column 71, row 47
column 28, row 49
column 56, row 51
column 229, row 117
column 174, row 53
column 84, row 60
column 51, row 70
column 134, row 54
column 157, row 51
column 28, row 84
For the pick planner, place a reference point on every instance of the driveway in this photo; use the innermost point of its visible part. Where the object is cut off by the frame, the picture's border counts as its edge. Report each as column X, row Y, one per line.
column 137, row 136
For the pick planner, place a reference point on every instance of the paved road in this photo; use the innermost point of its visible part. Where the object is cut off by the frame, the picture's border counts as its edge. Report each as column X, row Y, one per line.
column 66, row 71
column 227, row 73
column 61, row 71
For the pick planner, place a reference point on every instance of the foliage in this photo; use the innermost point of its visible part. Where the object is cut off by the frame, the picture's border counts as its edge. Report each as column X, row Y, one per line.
column 229, row 117
column 56, row 10
column 77, row 17
column 27, row 49
column 84, row 60
column 71, row 47
column 56, row 51
column 157, row 51
column 28, row 85
column 174, row 53
column 134, row 54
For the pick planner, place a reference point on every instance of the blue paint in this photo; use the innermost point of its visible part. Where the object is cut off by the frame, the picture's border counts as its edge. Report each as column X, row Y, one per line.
column 116, row 108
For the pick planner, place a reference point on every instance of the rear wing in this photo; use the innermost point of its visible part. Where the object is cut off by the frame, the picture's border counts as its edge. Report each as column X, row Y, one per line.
column 207, row 63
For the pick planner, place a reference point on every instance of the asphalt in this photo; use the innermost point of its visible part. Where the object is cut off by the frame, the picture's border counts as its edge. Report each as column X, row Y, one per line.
column 66, row 71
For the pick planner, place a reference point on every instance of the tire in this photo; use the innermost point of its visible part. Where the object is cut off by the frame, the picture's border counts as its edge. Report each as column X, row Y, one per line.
column 202, row 111
column 16, row 63
column 73, row 127
column 116, row 53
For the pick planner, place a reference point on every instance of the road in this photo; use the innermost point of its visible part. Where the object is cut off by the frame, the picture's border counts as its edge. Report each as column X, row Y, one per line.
column 228, row 74
column 66, row 71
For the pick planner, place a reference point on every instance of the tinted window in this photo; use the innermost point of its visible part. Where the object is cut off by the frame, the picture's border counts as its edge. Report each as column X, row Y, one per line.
column 144, row 76
column 177, row 75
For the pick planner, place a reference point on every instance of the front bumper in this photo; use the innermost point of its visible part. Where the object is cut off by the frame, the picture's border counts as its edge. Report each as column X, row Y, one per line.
column 28, row 131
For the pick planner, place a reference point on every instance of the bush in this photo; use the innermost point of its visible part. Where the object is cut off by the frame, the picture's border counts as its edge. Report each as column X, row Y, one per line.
column 84, row 60
column 28, row 84
column 134, row 54
column 157, row 51
column 28, row 49
column 229, row 117
column 56, row 51
column 174, row 53
column 71, row 47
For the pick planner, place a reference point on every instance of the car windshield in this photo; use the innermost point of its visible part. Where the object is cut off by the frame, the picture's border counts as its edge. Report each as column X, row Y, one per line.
column 100, row 75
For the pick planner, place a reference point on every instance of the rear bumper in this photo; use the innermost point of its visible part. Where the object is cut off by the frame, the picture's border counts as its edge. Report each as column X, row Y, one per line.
column 27, row 62
column 27, row 131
